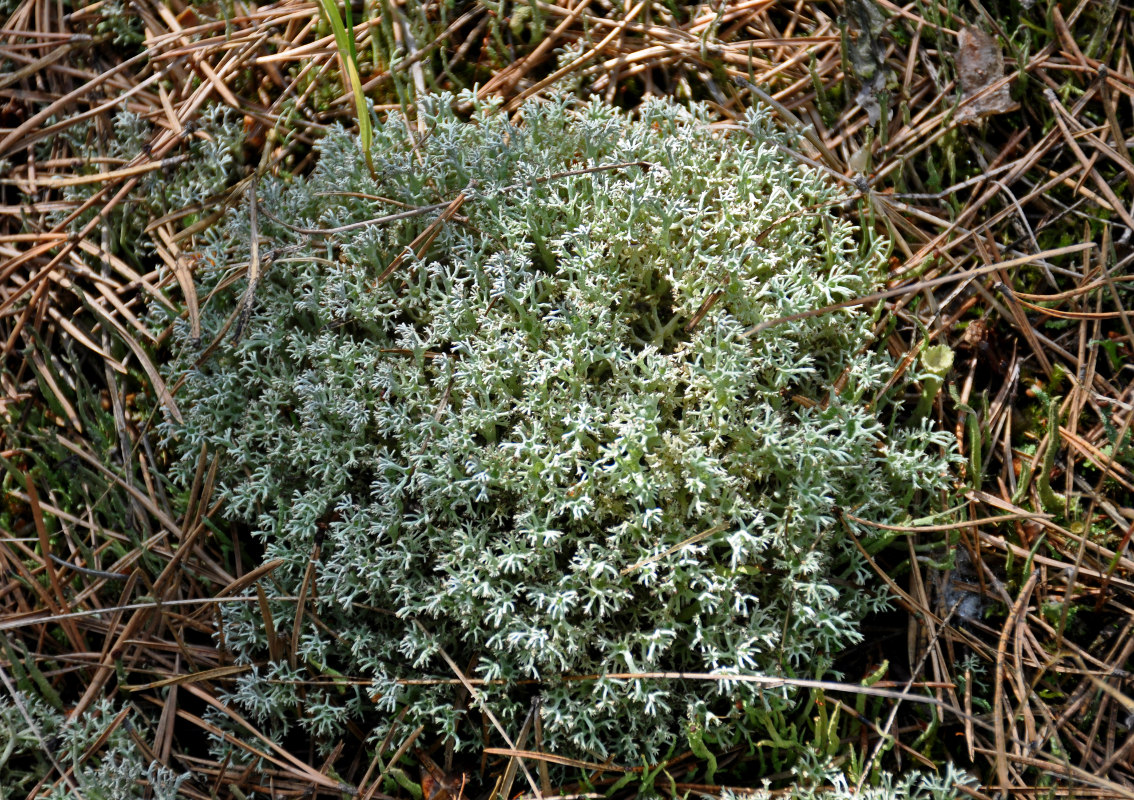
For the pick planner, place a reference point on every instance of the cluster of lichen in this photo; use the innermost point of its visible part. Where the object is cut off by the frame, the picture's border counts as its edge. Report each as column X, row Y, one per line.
column 199, row 169
column 506, row 444
column 92, row 756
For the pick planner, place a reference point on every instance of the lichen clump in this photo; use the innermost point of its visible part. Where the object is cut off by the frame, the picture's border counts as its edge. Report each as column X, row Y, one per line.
column 512, row 447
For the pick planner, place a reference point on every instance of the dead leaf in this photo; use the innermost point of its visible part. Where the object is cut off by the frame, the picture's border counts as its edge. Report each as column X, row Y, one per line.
column 980, row 64
column 865, row 54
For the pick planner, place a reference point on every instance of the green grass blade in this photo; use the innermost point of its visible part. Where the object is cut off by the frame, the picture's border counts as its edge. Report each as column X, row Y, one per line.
column 352, row 81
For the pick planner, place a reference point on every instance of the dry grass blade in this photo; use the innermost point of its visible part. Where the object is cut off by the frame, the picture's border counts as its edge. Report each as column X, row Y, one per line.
column 193, row 677
column 697, row 537
column 505, row 786
column 567, row 69
column 304, row 588
column 308, row 772
column 421, row 243
column 255, row 268
column 59, row 601
column 485, row 709
column 550, row 758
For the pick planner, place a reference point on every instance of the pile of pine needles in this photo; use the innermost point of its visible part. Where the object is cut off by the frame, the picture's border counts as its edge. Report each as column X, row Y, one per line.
column 991, row 143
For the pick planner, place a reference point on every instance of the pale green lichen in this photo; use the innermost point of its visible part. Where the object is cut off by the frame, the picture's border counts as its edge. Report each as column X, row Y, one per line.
column 825, row 782
column 101, row 760
column 509, row 439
